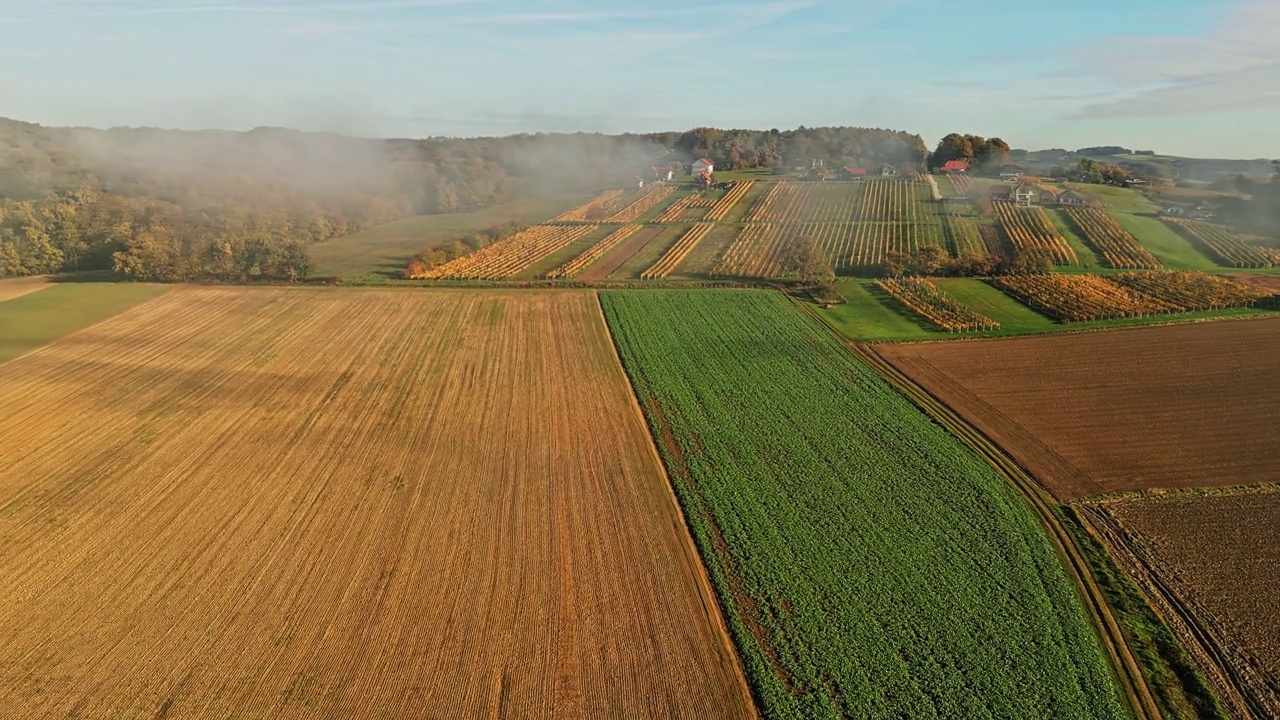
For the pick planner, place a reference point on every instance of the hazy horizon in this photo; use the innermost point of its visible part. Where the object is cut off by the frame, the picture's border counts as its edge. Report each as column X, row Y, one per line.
column 1197, row 78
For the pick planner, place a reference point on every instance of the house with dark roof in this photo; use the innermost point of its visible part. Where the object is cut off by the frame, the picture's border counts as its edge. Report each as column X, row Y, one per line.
column 1071, row 198
column 848, row 172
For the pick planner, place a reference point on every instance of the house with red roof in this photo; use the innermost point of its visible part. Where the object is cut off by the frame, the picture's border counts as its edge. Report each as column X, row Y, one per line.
column 702, row 166
column 848, row 172
column 954, row 166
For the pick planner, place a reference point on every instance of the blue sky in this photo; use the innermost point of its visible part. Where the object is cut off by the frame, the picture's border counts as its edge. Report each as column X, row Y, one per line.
column 1191, row 77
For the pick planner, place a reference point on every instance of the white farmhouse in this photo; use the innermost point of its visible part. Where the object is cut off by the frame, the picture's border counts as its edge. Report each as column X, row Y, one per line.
column 703, row 166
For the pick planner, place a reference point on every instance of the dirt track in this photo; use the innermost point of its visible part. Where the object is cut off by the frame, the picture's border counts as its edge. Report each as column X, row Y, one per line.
column 1163, row 407
column 615, row 258
column 289, row 504
column 1211, row 565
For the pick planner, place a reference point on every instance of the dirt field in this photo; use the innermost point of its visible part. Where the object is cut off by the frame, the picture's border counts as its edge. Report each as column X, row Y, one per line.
column 11, row 288
column 1259, row 280
column 292, row 503
column 615, row 258
column 1210, row 563
column 1160, row 407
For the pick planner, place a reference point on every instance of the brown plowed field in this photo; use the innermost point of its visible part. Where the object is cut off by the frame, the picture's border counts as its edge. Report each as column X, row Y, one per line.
column 302, row 504
column 615, row 258
column 17, row 287
column 1210, row 564
column 1258, row 280
column 1177, row 406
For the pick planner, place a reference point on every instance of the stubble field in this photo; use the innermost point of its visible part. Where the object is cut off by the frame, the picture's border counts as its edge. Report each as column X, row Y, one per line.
column 1178, row 406
column 290, row 503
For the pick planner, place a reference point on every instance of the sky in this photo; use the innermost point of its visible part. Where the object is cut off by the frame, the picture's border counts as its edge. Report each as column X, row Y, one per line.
column 1186, row 77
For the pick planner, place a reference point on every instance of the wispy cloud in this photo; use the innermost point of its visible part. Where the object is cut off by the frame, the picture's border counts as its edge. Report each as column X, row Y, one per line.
column 1235, row 67
column 148, row 7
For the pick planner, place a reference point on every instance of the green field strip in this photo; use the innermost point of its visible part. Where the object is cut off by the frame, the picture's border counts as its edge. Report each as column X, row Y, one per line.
column 870, row 565
column 29, row 321
column 1171, row 249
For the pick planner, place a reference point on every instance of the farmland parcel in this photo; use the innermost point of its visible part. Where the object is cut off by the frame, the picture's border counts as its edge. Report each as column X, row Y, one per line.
column 871, row 565
column 1163, row 407
column 1211, row 564
column 293, row 503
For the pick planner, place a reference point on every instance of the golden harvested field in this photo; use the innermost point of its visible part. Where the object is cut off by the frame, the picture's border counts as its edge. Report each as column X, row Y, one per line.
column 313, row 503
column 1210, row 564
column 1176, row 406
column 11, row 288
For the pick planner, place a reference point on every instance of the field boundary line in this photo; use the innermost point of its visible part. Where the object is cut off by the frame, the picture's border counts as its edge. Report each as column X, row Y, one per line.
column 1124, row 664
column 1200, row 640
column 709, row 597
column 164, row 293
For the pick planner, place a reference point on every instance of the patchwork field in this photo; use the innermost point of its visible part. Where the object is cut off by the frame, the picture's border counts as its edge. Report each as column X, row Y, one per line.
column 11, row 288
column 870, row 565
column 295, row 503
column 1210, row 563
column 1177, row 406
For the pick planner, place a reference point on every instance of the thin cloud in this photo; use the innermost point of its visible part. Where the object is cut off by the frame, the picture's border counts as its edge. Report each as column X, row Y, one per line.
column 1234, row 68
column 107, row 9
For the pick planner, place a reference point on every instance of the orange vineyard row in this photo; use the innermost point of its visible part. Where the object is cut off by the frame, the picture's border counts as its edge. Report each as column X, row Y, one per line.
column 1192, row 290
column 676, row 211
column 592, row 209
column 595, row 252
column 678, row 252
column 1078, row 298
column 644, row 201
column 1118, row 247
column 1227, row 247
column 731, row 198
column 1030, row 230
column 510, row 255
column 929, row 302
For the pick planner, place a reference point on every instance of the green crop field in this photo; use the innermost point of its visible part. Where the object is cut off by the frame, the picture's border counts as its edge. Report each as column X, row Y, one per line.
column 869, row 564
column 30, row 321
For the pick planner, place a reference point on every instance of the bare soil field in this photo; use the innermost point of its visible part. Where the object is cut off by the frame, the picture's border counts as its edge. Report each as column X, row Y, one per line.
column 11, row 288
column 615, row 258
column 1176, row 406
column 1210, row 564
column 1258, row 280
column 284, row 503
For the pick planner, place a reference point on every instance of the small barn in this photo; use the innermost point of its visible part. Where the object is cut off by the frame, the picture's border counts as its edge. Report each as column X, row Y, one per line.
column 703, row 165
column 888, row 171
column 848, row 172
column 955, row 166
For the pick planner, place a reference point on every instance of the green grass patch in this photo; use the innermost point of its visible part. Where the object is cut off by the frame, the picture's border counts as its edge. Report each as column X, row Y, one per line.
column 1121, row 199
column 1086, row 258
column 1170, row 248
column 869, row 564
column 29, row 321
column 380, row 253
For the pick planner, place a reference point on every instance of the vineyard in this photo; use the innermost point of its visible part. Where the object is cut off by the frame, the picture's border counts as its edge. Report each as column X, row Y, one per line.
column 871, row 566
column 731, row 198
column 929, row 302
column 1225, row 247
column 962, row 183
column 1119, row 248
column 809, row 202
column 602, row 205
column 301, row 503
column 895, row 201
column 643, row 203
column 510, row 255
column 758, row 251
column 676, row 212
column 595, row 252
column 1030, row 231
column 673, row 257
column 1080, row 298
column 1192, row 290
column 963, row 236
